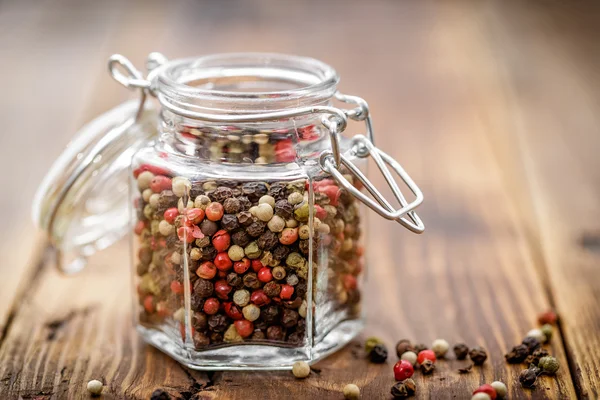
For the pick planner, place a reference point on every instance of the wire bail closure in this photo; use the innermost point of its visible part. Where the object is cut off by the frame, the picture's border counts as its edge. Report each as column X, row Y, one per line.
column 335, row 120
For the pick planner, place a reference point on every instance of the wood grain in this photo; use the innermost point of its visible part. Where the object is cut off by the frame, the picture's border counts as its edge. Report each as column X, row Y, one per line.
column 454, row 99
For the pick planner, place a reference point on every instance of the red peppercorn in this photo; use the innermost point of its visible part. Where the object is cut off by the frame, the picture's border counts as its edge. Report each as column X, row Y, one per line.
column 264, row 275
column 288, row 236
column 149, row 304
column 233, row 311
column 487, row 389
column 333, row 192
column 196, row 232
column 222, row 274
column 257, row 265
column 259, row 298
column 139, row 227
column 244, row 327
column 286, row 292
column 223, row 262
column 222, row 289
column 176, row 287
column 320, row 212
column 548, row 317
column 160, row 183
column 214, row 211
column 206, row 270
column 426, row 355
column 349, row 282
column 221, row 240
column 194, row 215
column 156, row 170
column 185, row 234
column 162, row 309
column 240, row 267
column 284, row 151
column 211, row 306
column 170, row 214
column 403, row 370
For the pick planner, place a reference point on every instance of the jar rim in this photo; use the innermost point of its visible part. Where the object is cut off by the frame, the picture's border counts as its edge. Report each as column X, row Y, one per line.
column 294, row 81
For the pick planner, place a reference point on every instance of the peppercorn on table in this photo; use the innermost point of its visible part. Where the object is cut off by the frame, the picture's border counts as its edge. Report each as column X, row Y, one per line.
column 492, row 109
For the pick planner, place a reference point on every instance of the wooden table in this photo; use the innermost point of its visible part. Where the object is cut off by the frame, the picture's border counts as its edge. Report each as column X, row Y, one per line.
column 491, row 106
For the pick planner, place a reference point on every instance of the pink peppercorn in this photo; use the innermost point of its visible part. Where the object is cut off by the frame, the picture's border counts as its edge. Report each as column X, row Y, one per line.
column 223, row 262
column 288, row 236
column 176, row 287
column 233, row 311
column 160, row 183
column 320, row 212
column 196, row 232
column 333, row 192
column 244, row 327
column 156, row 170
column 139, row 227
column 170, row 214
column 185, row 234
column 487, row 389
column 206, row 270
column 426, row 355
column 349, row 282
column 149, row 304
column 214, row 211
column 264, row 275
column 221, row 240
column 259, row 298
column 222, row 289
column 194, row 215
column 403, row 370
column 240, row 267
column 211, row 306
column 257, row 265
column 286, row 292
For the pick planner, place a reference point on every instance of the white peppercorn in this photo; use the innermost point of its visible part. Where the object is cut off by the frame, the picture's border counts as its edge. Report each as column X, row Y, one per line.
column 301, row 369
column 266, row 199
column 251, row 312
column 195, row 254
column 264, row 212
column 291, row 223
column 165, row 228
column 181, row 186
column 181, row 207
column 440, row 347
column 253, row 210
column 202, row 201
column 295, row 198
column 538, row 334
column 241, row 297
column 176, row 258
column 324, row 228
column 154, row 200
column 302, row 309
column 276, row 224
column 146, row 194
column 304, row 232
column 481, row 396
column 144, row 180
column 409, row 356
column 179, row 315
column 351, row 392
column 95, row 386
column 500, row 388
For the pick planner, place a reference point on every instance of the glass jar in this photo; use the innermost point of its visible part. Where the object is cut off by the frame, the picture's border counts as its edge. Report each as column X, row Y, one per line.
column 246, row 206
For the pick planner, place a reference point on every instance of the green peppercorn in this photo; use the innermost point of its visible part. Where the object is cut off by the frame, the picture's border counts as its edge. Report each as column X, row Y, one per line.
column 301, row 213
column 252, row 250
column 549, row 365
column 371, row 342
column 547, row 330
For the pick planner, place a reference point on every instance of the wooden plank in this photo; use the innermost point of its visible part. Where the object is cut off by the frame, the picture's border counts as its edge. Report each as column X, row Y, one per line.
column 556, row 128
column 472, row 277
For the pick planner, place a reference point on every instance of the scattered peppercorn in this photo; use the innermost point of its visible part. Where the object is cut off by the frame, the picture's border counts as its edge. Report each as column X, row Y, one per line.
column 95, row 387
column 420, row 347
column 535, row 357
column 440, row 347
column 517, row 355
column 371, row 342
column 301, row 369
column 351, row 392
column 426, row 355
column 487, row 389
column 529, row 376
column 461, row 351
column 404, row 389
column 481, row 396
column 500, row 388
column 532, row 344
column 547, row 330
column 427, row 367
column 548, row 317
column 549, row 365
column 403, row 370
column 403, row 346
column 409, row 356
column 378, row 354
column 538, row 334
column 478, row 355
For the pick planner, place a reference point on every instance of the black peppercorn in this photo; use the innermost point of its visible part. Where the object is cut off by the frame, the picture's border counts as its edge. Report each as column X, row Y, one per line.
column 200, row 340
column 245, row 218
column 232, row 205
column 379, row 354
column 461, row 350
column 267, row 240
column 301, row 289
column 229, row 222
column 292, row 280
column 197, row 302
column 535, row 357
column 245, row 203
column 208, row 253
column 403, row 346
column 296, row 338
column 166, row 200
column 218, row 322
column 256, row 228
column 529, row 376
column 216, row 337
column 258, row 335
column 221, row 194
column 203, row 288
column 293, row 304
column 404, row 389
column 419, row 347
column 270, row 314
column 278, row 191
column 208, row 227
column 160, row 394
column 304, row 246
column 427, row 367
column 251, row 281
column 254, row 190
column 532, row 344
column 241, row 238
column 272, row 289
column 478, row 355
column 517, row 355
column 289, row 318
column 280, row 252
column 276, row 333
column 199, row 321
column 284, row 209
column 234, row 280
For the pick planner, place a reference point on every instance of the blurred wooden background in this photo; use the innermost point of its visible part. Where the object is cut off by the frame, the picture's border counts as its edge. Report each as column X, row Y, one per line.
column 493, row 107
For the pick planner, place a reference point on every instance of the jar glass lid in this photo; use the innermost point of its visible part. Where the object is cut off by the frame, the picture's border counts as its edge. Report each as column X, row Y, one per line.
column 82, row 203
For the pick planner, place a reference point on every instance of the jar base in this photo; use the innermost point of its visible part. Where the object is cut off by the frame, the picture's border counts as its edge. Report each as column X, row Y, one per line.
column 253, row 356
